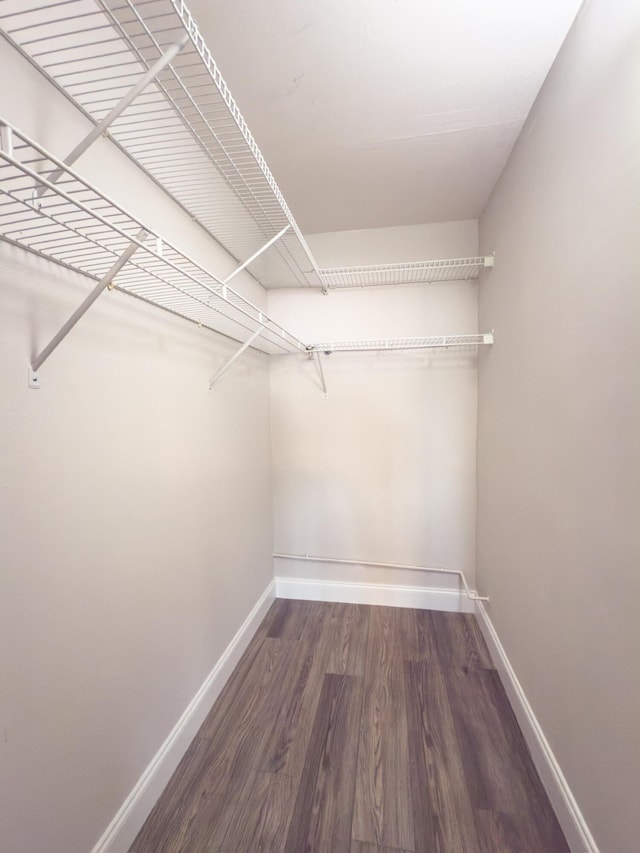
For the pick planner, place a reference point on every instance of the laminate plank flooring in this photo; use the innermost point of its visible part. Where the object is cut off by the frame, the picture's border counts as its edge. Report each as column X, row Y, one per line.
column 353, row 729
column 382, row 810
column 324, row 803
column 262, row 814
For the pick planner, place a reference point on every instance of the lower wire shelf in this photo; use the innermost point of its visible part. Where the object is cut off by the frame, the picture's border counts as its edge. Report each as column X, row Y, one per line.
column 48, row 208
column 384, row 344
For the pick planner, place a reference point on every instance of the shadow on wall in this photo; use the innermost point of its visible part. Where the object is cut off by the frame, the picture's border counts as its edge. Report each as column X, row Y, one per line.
column 462, row 358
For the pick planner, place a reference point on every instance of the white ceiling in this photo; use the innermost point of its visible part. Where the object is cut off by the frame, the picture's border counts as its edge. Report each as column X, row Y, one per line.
column 384, row 112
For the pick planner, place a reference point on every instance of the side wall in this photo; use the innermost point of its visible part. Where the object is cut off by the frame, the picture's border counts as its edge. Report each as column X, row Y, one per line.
column 559, row 415
column 135, row 512
column 383, row 468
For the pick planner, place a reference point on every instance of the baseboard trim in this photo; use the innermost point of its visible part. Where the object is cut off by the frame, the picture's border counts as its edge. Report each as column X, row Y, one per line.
column 121, row 832
column 393, row 595
column 566, row 808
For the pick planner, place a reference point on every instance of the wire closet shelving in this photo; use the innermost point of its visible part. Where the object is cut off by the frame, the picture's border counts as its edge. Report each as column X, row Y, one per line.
column 454, row 269
column 76, row 225
column 141, row 72
column 184, row 129
column 385, row 344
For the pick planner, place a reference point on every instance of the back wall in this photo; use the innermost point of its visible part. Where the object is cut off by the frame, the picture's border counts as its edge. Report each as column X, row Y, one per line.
column 383, row 468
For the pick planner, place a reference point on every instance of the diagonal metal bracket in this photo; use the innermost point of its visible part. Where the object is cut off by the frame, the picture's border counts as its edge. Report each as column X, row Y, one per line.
column 321, row 372
column 6, row 139
column 258, row 331
column 119, row 108
column 104, row 283
column 235, row 356
column 256, row 254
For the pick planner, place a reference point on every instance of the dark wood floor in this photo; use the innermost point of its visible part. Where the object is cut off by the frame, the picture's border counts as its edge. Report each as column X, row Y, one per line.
column 353, row 729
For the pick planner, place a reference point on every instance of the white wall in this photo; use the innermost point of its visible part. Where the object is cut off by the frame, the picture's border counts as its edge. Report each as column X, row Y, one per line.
column 559, row 415
column 383, row 468
column 127, row 491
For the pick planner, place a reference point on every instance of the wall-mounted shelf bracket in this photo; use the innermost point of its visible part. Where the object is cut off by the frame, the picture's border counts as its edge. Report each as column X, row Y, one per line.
column 117, row 110
column 257, row 254
column 105, row 282
column 6, row 139
column 34, row 381
column 321, row 372
column 234, row 357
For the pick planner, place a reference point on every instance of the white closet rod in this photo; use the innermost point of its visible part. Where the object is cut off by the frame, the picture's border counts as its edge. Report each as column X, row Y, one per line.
column 470, row 593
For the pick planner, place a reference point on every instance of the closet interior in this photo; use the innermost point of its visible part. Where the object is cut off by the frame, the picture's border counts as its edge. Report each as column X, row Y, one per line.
column 291, row 455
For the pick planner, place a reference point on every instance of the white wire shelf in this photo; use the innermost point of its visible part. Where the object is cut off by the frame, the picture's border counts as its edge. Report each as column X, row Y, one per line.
column 75, row 224
column 185, row 129
column 452, row 269
column 385, row 344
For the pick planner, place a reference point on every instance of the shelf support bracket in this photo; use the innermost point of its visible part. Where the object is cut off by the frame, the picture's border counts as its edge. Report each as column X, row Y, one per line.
column 321, row 372
column 6, row 139
column 256, row 254
column 105, row 282
column 119, row 108
column 234, row 357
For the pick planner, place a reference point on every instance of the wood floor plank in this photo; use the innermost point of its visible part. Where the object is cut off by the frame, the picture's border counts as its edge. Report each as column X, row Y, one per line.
column 297, row 620
column 262, row 815
column 239, row 702
column 364, row 847
column 425, row 648
column 488, row 757
column 382, row 807
column 498, row 833
column 348, row 627
column 442, row 814
column 497, row 765
column 238, row 739
column 396, row 631
column 272, row 623
column 246, row 667
column 459, row 641
column 322, row 814
column 166, row 828
column 290, row 729
column 251, row 743
column 540, row 825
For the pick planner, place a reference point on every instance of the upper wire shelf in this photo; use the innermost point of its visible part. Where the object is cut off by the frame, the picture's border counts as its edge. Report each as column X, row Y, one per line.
column 185, row 129
column 454, row 269
column 73, row 223
column 385, row 344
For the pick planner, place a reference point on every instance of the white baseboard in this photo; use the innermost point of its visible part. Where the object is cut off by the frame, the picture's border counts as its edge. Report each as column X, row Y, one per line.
column 565, row 806
column 121, row 832
column 422, row 598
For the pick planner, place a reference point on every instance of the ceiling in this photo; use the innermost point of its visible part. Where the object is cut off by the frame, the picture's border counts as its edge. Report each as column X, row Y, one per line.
column 384, row 112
